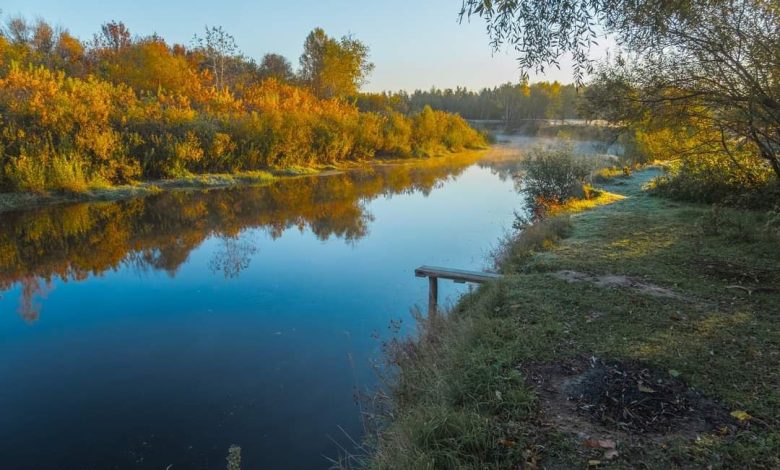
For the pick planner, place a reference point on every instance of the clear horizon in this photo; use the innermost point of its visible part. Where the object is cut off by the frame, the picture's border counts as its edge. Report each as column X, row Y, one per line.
column 413, row 46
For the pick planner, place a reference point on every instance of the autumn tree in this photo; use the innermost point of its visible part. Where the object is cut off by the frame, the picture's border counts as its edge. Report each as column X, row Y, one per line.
column 720, row 68
column 220, row 50
column 150, row 64
column 17, row 30
column 43, row 38
column 69, row 52
column 276, row 66
column 542, row 32
column 334, row 68
column 114, row 36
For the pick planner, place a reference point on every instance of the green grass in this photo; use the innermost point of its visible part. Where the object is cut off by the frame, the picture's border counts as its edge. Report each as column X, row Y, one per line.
column 459, row 399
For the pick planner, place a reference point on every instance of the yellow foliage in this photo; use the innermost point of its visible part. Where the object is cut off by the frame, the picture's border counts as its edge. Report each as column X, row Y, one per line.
column 146, row 109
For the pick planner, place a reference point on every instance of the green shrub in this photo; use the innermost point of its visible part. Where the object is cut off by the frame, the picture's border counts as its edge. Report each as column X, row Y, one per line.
column 738, row 180
column 553, row 176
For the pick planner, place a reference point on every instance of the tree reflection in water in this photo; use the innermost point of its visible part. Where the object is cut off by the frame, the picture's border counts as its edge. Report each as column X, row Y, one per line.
column 74, row 242
column 233, row 256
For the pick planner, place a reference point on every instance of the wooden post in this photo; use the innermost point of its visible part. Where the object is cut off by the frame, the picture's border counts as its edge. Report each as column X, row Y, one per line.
column 433, row 295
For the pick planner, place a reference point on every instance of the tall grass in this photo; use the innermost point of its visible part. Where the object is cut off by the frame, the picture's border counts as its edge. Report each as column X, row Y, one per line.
column 68, row 172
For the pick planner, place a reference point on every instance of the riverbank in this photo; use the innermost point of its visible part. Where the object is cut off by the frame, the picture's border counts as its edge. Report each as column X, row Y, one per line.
column 26, row 200
column 642, row 333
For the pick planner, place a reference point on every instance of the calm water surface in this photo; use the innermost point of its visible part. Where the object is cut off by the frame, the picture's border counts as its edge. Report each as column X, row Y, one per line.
column 158, row 332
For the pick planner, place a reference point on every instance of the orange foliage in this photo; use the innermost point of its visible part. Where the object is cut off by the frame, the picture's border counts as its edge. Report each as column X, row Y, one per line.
column 73, row 118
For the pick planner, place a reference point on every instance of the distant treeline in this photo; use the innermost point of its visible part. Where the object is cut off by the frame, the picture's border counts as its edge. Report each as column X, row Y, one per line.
column 511, row 103
column 117, row 108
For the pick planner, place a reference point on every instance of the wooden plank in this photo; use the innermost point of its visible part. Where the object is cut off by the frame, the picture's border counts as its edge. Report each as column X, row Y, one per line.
column 457, row 275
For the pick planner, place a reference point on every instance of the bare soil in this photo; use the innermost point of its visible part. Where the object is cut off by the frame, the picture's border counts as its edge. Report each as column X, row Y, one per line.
column 612, row 281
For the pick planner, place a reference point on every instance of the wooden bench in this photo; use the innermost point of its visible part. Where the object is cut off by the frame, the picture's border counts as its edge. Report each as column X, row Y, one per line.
column 433, row 273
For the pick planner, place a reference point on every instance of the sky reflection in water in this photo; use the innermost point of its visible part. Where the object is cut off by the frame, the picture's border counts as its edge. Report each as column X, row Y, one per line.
column 160, row 331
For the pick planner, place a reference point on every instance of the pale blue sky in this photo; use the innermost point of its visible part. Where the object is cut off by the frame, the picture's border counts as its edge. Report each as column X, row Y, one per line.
column 414, row 43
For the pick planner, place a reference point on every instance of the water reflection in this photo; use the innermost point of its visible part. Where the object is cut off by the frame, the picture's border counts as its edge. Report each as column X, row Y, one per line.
column 174, row 327
column 158, row 233
column 233, row 257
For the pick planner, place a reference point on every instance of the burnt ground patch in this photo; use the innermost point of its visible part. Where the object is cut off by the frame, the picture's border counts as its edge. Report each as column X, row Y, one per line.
column 623, row 399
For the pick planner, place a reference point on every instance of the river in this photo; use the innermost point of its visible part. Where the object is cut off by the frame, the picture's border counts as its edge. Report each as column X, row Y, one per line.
column 155, row 333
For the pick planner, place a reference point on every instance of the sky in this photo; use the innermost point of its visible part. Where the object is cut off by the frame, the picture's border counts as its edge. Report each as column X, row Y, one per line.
column 415, row 44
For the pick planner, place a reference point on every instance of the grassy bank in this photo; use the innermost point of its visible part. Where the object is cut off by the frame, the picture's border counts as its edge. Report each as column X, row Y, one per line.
column 31, row 200
column 638, row 334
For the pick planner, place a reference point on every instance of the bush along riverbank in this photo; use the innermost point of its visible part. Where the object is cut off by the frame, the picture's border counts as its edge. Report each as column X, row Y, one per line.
column 641, row 333
column 79, row 116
